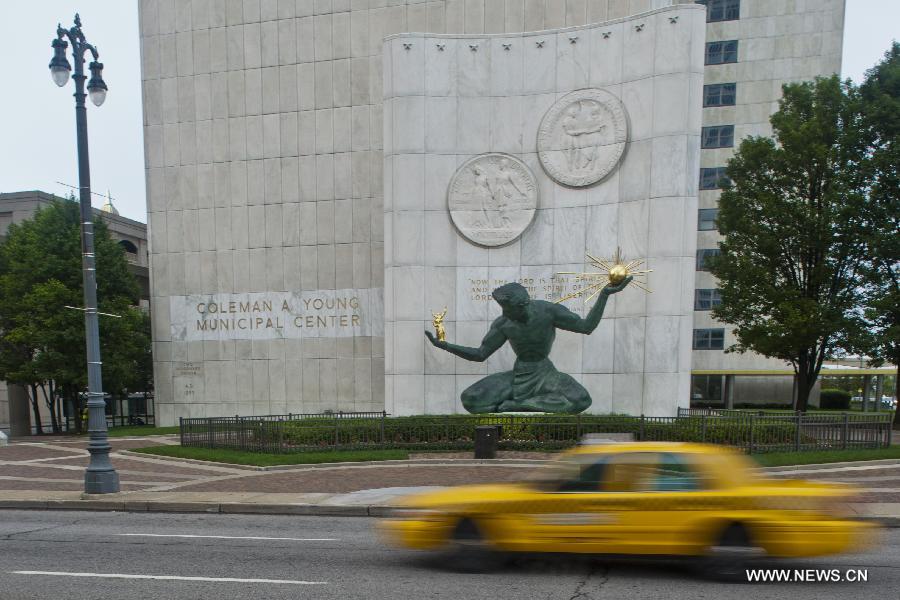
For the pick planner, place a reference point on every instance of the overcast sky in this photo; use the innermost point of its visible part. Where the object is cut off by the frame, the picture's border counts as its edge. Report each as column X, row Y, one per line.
column 37, row 121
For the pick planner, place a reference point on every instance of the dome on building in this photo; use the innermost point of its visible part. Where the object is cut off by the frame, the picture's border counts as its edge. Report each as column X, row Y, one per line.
column 108, row 207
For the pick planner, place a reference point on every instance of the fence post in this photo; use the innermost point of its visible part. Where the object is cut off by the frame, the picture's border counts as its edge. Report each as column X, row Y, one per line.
column 845, row 431
column 209, row 433
column 641, row 432
column 752, row 417
column 890, row 426
column 180, row 428
column 578, row 426
column 447, row 428
column 337, row 433
column 799, row 421
column 703, row 429
column 383, row 415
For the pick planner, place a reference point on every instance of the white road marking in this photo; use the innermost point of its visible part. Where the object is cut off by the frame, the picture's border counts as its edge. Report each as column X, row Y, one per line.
column 169, row 577
column 228, row 537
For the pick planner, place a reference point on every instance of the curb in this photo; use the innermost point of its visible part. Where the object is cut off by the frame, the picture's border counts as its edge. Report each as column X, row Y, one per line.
column 307, row 510
column 150, row 506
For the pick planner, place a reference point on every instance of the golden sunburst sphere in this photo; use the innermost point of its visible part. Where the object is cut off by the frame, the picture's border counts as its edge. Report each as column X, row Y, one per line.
column 617, row 274
column 614, row 271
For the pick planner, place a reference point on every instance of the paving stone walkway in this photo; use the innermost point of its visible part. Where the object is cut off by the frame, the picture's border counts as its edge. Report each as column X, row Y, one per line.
column 52, row 470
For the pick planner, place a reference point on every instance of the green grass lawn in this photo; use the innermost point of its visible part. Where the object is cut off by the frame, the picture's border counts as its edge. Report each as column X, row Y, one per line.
column 777, row 459
column 141, row 430
column 238, row 457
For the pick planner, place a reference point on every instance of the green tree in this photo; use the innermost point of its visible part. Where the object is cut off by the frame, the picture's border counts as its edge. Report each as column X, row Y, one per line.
column 128, row 338
column 42, row 342
column 794, row 234
column 880, row 94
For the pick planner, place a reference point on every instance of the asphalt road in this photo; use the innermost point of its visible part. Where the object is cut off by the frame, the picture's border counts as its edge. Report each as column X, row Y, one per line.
column 122, row 556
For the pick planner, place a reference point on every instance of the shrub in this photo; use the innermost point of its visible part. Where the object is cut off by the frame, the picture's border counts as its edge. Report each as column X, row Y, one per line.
column 707, row 404
column 834, row 399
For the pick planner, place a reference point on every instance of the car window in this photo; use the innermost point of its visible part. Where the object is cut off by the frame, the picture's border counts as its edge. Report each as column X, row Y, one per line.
column 630, row 472
column 675, row 473
column 652, row 472
column 588, row 478
column 625, row 472
column 572, row 473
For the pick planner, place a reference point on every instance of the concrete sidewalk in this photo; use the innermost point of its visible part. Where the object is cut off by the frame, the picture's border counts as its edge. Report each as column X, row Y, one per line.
column 47, row 473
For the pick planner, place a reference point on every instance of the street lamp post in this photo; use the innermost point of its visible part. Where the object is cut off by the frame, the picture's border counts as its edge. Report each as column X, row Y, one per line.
column 100, row 477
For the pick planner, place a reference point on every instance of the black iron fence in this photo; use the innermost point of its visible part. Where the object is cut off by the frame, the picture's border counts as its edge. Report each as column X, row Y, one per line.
column 732, row 412
column 750, row 431
column 136, row 409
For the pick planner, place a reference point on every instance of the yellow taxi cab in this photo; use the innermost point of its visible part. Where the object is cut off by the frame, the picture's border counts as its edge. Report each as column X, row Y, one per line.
column 642, row 498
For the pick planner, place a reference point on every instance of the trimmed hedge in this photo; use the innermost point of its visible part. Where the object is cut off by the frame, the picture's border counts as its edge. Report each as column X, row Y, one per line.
column 544, row 432
column 834, row 399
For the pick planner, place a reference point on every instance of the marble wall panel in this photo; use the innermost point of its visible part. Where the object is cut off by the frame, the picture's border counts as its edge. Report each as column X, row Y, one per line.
column 501, row 86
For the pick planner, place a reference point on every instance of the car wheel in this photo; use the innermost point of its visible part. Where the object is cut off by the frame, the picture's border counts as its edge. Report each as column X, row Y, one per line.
column 469, row 551
column 730, row 556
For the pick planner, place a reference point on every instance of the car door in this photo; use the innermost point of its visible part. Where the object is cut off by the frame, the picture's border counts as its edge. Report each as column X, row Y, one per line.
column 620, row 503
column 572, row 515
column 660, row 495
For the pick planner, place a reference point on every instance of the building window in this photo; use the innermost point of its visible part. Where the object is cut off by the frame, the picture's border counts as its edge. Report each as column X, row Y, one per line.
column 707, row 299
column 713, row 178
column 719, row 94
column 721, row 10
column 703, row 256
column 706, row 219
column 717, row 136
column 709, row 339
column 707, row 389
column 719, row 53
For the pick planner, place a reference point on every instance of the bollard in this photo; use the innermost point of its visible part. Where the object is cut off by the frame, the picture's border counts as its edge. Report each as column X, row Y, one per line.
column 486, row 437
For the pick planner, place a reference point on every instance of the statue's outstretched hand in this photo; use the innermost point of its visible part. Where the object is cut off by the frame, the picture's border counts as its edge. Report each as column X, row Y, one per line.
column 434, row 341
column 612, row 289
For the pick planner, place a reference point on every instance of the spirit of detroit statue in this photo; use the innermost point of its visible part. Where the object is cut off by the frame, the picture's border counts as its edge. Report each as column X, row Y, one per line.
column 534, row 384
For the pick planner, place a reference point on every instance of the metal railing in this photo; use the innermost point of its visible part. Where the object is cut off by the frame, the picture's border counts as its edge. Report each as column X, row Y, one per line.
column 727, row 412
column 751, row 431
column 120, row 412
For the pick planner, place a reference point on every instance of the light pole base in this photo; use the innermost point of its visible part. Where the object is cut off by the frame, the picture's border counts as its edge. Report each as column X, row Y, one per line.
column 101, row 482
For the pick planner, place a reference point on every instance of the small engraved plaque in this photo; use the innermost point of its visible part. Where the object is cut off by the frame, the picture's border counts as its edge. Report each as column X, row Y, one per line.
column 582, row 137
column 492, row 199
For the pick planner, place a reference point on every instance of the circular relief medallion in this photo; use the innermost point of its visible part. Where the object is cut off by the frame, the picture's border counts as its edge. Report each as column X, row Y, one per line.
column 582, row 137
column 492, row 198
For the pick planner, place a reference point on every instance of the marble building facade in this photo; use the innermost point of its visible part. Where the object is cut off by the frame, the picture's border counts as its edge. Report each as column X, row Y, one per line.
column 277, row 177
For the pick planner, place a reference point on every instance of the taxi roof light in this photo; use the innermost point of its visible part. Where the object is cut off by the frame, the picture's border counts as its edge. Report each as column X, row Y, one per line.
column 592, row 439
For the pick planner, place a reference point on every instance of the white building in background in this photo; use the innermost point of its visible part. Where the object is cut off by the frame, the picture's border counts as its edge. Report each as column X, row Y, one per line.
column 313, row 191
column 16, row 416
column 753, row 47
